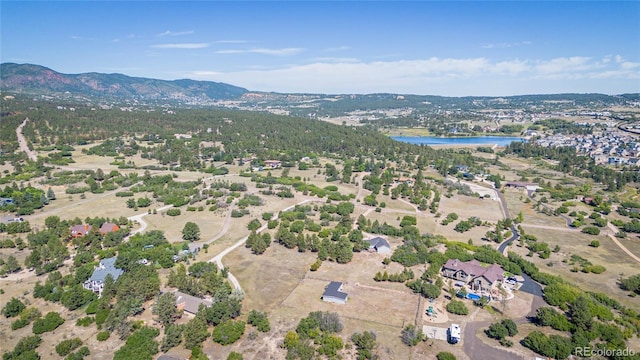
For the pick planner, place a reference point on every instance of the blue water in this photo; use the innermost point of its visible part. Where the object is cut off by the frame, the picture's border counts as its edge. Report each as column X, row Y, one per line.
column 473, row 296
column 471, row 140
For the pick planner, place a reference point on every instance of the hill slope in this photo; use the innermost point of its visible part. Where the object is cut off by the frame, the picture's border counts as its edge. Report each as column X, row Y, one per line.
column 28, row 78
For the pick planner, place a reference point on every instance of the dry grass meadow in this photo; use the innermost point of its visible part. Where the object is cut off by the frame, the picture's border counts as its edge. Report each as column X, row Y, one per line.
column 280, row 281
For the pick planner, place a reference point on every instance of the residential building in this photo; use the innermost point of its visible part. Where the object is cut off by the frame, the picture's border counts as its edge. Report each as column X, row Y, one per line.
column 108, row 227
column 529, row 186
column 100, row 273
column 333, row 293
column 80, row 230
column 190, row 304
column 272, row 164
column 380, row 245
column 478, row 277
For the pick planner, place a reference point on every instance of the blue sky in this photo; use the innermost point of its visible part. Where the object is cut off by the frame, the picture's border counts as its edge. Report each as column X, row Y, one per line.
column 420, row 47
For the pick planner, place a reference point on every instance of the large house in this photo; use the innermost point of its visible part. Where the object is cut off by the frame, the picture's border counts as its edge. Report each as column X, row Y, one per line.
column 380, row 245
column 478, row 277
column 333, row 293
column 100, row 272
column 80, row 230
column 108, row 227
column 272, row 164
column 520, row 185
column 189, row 303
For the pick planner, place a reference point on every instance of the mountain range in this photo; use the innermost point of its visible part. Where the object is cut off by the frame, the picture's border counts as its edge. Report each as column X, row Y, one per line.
column 119, row 88
column 36, row 79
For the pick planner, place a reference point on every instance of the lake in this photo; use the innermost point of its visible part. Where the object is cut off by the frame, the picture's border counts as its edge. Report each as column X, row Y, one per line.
column 470, row 140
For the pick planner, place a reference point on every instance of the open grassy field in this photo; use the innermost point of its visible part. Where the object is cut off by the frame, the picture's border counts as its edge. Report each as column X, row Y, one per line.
column 281, row 283
column 576, row 243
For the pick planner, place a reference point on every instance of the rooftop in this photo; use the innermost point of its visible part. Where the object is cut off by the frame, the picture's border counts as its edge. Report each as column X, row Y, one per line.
column 106, row 267
column 333, row 290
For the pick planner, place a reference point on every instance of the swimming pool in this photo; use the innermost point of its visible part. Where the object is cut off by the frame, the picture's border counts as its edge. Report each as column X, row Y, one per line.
column 473, row 296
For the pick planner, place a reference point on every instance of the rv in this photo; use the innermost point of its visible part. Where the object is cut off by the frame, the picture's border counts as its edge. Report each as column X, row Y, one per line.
column 453, row 333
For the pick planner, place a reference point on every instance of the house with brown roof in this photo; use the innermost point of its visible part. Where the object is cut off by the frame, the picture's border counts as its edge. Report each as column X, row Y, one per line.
column 108, row 227
column 472, row 272
column 80, row 230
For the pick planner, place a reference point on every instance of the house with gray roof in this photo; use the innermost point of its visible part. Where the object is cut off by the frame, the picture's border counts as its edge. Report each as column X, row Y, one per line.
column 189, row 303
column 333, row 293
column 380, row 245
column 100, row 273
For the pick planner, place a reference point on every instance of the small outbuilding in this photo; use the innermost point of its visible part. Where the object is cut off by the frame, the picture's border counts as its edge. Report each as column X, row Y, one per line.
column 333, row 293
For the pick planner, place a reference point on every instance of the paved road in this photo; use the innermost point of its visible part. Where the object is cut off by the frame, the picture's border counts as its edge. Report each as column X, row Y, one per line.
column 530, row 286
column 503, row 247
column 476, row 349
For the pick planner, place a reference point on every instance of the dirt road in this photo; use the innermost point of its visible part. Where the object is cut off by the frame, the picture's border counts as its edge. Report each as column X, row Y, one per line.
column 218, row 258
column 23, row 142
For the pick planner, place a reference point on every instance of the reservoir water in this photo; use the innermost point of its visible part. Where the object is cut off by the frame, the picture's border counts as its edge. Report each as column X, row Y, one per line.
column 470, row 140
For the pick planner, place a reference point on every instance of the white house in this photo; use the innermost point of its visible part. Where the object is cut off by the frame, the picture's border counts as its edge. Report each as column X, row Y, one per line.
column 100, row 272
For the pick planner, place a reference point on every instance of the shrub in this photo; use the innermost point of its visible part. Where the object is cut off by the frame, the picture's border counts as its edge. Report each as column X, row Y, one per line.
column 411, row 336
column 443, row 355
column 591, row 230
column 50, row 322
column 19, row 324
column 457, row 307
column 234, row 356
column 13, row 307
column 173, row 212
column 85, row 321
column 497, row 331
column 594, row 243
column 67, row 346
column 631, row 283
column 103, row 335
column 595, row 269
column 259, row 320
column 228, row 332
column 511, row 326
column 24, row 349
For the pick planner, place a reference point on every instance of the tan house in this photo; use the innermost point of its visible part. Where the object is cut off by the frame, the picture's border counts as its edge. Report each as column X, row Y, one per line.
column 472, row 273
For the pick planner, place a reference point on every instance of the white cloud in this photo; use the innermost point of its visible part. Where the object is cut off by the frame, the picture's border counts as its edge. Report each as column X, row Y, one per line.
column 339, row 48
column 231, row 41
column 441, row 76
column 505, row 45
column 178, row 33
column 181, row 46
column 564, row 64
column 274, row 52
